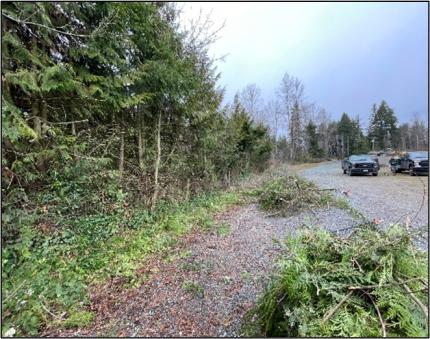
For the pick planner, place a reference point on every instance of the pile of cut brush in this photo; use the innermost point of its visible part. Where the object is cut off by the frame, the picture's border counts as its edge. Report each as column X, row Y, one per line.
column 287, row 195
column 373, row 283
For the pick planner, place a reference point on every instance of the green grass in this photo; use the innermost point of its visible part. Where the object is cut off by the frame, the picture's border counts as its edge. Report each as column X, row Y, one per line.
column 223, row 229
column 46, row 275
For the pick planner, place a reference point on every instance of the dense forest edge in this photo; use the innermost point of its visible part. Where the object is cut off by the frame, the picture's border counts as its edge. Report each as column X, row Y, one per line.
column 115, row 142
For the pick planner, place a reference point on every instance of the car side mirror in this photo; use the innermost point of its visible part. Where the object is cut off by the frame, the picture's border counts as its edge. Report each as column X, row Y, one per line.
column 392, row 162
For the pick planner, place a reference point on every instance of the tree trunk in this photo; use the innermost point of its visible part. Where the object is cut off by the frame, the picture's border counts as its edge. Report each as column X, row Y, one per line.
column 157, row 164
column 44, row 114
column 75, row 151
column 187, row 192
column 140, row 143
column 121, row 152
column 36, row 119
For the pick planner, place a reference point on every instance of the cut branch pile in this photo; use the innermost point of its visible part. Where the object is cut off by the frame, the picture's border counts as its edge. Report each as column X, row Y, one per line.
column 288, row 195
column 373, row 284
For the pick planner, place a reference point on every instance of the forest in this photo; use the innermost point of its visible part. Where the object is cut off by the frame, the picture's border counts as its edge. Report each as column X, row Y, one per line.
column 111, row 116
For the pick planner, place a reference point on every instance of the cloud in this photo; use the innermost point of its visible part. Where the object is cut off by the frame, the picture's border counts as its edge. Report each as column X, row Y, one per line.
column 349, row 55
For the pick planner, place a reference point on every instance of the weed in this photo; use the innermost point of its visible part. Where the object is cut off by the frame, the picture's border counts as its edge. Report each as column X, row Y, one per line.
column 226, row 279
column 192, row 266
column 78, row 319
column 246, row 276
column 223, row 229
column 194, row 288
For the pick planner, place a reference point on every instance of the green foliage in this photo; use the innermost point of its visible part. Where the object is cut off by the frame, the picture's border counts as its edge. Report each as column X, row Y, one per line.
column 287, row 195
column 194, row 288
column 78, row 319
column 331, row 286
column 352, row 138
column 312, row 136
column 223, row 229
column 383, row 126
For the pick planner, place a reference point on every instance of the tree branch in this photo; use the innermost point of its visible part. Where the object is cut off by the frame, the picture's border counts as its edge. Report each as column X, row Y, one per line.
column 330, row 313
column 21, row 22
column 418, row 301
column 68, row 122
column 381, row 320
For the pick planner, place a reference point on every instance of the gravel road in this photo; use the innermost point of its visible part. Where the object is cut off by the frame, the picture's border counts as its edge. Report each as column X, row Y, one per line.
column 387, row 198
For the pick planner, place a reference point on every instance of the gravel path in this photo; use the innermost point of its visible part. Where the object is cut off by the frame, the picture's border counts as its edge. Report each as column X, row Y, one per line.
column 387, row 198
column 215, row 277
column 214, row 280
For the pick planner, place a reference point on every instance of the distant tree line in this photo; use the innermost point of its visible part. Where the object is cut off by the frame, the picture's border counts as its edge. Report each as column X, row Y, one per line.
column 302, row 131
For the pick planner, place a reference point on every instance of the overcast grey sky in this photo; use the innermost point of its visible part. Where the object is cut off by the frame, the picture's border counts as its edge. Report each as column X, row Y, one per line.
column 348, row 55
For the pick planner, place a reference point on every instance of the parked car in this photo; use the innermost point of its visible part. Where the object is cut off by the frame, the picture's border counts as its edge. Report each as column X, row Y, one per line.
column 360, row 164
column 413, row 162
column 375, row 159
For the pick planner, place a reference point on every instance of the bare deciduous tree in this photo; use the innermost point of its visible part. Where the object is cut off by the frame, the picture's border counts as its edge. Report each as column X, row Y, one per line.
column 250, row 98
column 291, row 92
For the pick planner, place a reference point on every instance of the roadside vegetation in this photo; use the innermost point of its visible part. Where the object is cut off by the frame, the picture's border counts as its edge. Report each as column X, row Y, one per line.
column 46, row 276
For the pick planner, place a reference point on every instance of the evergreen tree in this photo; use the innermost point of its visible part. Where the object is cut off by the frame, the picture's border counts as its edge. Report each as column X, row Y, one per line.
column 312, row 139
column 383, row 131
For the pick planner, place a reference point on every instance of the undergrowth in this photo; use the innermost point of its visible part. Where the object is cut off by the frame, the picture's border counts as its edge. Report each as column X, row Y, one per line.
column 46, row 275
column 373, row 283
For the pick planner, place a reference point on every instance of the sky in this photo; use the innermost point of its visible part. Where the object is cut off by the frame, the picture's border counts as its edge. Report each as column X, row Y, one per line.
column 348, row 55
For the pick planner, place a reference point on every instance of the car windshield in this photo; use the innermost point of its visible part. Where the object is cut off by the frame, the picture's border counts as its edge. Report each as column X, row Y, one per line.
column 419, row 155
column 362, row 157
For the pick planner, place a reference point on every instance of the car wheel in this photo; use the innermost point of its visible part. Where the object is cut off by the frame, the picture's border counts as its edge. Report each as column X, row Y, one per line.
column 375, row 174
column 350, row 172
column 344, row 171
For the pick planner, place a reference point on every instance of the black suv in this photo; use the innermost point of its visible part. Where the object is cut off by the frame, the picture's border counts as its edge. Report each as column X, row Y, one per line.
column 413, row 162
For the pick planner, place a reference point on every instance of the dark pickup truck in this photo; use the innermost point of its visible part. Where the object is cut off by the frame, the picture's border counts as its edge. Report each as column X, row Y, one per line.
column 413, row 162
column 360, row 164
